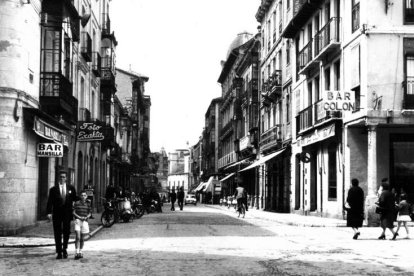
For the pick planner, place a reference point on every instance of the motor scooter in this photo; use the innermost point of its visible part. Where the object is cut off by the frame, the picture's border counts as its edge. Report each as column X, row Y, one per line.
column 125, row 209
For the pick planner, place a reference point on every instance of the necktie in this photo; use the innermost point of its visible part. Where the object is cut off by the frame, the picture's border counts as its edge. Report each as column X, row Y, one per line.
column 63, row 193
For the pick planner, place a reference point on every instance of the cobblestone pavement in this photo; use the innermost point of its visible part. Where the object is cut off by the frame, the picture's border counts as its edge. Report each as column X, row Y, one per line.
column 213, row 241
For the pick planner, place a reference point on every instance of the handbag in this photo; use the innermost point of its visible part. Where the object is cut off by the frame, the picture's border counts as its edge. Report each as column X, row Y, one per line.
column 379, row 210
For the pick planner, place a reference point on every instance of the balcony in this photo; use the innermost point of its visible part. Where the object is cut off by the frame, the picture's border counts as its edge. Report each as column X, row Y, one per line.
column 307, row 62
column 84, row 114
column 108, row 68
column 227, row 159
column 56, row 96
column 86, row 48
column 302, row 12
column 275, row 84
column 327, row 40
column 314, row 115
column 270, row 138
column 96, row 64
column 106, row 25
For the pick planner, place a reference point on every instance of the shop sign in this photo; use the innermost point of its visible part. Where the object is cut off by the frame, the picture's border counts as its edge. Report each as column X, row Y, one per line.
column 49, row 132
column 338, row 101
column 317, row 136
column 49, row 150
column 89, row 131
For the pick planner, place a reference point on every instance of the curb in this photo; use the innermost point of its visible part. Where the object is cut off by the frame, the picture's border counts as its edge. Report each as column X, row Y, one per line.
column 291, row 223
column 22, row 245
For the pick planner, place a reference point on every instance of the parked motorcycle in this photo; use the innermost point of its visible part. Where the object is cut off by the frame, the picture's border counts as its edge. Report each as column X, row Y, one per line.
column 137, row 207
column 125, row 210
column 109, row 214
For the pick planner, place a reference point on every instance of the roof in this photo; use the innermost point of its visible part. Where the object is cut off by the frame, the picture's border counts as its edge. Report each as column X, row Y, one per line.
column 133, row 74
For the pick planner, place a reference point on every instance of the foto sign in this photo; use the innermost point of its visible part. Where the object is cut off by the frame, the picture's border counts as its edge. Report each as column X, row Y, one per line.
column 49, row 150
column 338, row 101
column 89, row 131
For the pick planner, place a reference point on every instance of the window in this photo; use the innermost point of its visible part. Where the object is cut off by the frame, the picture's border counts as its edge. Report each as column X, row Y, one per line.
column 287, row 52
column 355, row 15
column 288, row 91
column 332, row 182
column 317, row 92
column 408, row 11
column 337, row 72
column 328, row 79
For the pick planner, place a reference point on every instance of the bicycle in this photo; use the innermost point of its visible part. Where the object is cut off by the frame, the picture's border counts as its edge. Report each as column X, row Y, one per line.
column 241, row 209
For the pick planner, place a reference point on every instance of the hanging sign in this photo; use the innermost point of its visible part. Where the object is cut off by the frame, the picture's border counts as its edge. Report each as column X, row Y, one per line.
column 338, row 101
column 89, row 131
column 49, row 132
column 49, row 150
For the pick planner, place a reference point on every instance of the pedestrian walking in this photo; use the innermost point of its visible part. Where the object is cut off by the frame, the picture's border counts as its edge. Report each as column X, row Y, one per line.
column 173, row 198
column 180, row 198
column 241, row 196
column 403, row 216
column 355, row 209
column 59, row 210
column 82, row 211
column 386, row 203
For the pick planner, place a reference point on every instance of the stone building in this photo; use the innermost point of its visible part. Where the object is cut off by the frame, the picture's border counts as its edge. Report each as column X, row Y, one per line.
column 58, row 105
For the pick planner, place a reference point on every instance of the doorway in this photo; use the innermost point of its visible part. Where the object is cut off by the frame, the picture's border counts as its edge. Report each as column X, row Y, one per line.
column 402, row 164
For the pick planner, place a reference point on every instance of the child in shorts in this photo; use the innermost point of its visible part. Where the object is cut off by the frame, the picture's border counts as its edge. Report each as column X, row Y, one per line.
column 81, row 211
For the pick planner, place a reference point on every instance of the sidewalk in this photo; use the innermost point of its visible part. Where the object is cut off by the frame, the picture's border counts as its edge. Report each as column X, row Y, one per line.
column 42, row 234
column 289, row 219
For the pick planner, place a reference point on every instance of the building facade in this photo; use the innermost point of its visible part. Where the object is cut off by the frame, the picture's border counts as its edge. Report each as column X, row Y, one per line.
column 59, row 107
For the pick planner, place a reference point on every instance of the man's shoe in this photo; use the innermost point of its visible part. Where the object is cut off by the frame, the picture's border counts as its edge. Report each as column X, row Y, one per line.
column 81, row 255
column 65, row 254
column 59, row 256
column 77, row 256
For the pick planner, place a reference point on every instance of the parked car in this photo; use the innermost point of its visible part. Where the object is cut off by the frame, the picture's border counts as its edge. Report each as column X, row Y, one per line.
column 190, row 199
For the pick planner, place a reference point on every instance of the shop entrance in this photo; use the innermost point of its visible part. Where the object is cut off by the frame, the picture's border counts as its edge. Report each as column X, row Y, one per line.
column 402, row 164
column 43, row 188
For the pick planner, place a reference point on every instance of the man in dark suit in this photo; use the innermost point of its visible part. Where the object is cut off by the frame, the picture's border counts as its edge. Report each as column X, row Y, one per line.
column 59, row 209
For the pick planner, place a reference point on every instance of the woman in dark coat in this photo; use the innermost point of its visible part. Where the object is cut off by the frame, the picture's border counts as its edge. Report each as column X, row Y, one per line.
column 355, row 201
column 387, row 203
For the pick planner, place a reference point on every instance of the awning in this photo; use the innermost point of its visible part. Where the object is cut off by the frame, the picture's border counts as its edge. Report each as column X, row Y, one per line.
column 247, row 160
column 227, row 177
column 263, row 160
column 199, row 187
column 212, row 184
column 47, row 127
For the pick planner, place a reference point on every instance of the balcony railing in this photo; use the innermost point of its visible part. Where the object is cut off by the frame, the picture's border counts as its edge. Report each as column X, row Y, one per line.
column 304, row 120
column 227, row 159
column 313, row 115
column 328, row 38
column 106, row 25
column 56, row 95
column 96, row 64
column 303, row 10
column 86, row 48
column 306, row 58
column 270, row 138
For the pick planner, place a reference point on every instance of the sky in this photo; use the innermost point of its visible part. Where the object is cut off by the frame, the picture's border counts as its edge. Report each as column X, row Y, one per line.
column 178, row 45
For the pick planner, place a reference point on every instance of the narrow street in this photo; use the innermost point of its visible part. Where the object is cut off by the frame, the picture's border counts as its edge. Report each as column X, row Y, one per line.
column 204, row 240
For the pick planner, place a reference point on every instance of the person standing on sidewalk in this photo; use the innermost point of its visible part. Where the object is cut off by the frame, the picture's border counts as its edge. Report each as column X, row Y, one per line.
column 403, row 216
column 59, row 210
column 355, row 211
column 173, row 198
column 82, row 211
column 180, row 198
column 387, row 204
